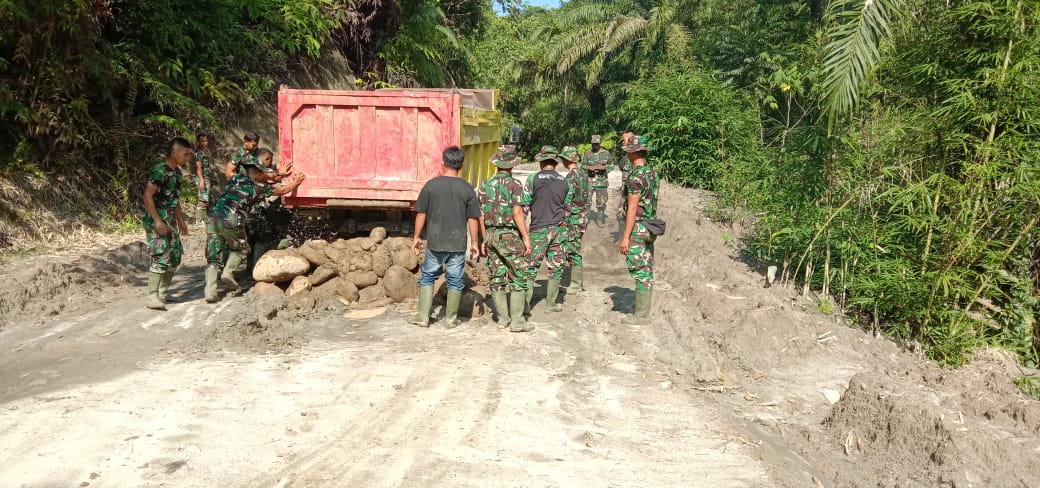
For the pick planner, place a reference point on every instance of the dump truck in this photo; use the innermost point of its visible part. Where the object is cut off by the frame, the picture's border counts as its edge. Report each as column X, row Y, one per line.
column 367, row 154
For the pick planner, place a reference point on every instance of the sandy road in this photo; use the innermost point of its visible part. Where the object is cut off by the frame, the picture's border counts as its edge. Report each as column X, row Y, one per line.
column 124, row 397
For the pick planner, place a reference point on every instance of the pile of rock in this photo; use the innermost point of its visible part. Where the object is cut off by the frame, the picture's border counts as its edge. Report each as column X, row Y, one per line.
column 368, row 271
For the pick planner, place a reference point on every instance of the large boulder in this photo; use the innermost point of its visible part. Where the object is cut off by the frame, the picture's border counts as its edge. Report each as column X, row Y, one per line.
column 400, row 284
column 280, row 265
column 361, row 261
column 362, row 279
column 299, row 284
column 381, row 260
column 372, row 293
column 336, row 287
column 378, row 234
column 405, row 258
column 324, row 273
column 338, row 256
column 262, row 288
column 397, row 243
column 314, row 251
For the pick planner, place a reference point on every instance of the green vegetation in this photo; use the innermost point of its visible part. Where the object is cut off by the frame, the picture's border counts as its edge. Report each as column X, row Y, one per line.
column 885, row 150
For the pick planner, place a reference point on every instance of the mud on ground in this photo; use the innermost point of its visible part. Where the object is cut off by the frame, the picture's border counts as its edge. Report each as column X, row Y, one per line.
column 733, row 384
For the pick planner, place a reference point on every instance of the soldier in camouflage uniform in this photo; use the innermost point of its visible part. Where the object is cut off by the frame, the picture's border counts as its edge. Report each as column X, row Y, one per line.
column 164, row 222
column 598, row 162
column 544, row 194
column 250, row 143
column 267, row 225
column 226, row 224
column 576, row 201
column 202, row 173
column 505, row 240
column 637, row 243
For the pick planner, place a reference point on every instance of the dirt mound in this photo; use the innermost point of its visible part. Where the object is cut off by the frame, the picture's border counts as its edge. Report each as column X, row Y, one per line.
column 266, row 324
column 51, row 287
column 945, row 428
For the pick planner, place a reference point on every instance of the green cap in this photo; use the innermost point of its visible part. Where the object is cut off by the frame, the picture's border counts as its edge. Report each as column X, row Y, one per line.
column 570, row 153
column 505, row 157
column 636, row 144
column 548, row 153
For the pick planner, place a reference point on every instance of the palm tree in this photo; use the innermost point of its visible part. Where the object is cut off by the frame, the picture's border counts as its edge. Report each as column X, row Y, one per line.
column 855, row 31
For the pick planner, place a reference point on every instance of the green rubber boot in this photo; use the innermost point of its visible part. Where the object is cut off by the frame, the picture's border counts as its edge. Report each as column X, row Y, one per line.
column 517, row 302
column 154, row 302
column 642, row 312
column 577, row 280
column 234, row 260
column 212, row 275
column 527, row 296
column 164, row 285
column 451, row 309
column 551, row 294
column 501, row 301
column 422, row 316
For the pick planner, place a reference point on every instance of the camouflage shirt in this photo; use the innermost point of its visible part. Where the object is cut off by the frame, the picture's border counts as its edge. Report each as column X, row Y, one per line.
column 497, row 196
column 598, row 164
column 240, row 156
column 577, row 198
column 643, row 181
column 242, row 194
column 168, row 181
column 201, row 157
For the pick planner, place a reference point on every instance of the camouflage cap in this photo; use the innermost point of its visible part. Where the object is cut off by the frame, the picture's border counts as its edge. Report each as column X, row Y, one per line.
column 636, row 144
column 570, row 153
column 596, row 139
column 548, row 153
column 505, row 157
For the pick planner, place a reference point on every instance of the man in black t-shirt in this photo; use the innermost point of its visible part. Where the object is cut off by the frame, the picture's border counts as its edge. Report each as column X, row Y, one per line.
column 544, row 193
column 446, row 209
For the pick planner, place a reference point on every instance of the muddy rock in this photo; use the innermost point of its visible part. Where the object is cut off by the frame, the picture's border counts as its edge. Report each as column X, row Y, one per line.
column 361, row 262
column 314, row 252
column 372, row 293
column 362, row 279
column 336, row 287
column 340, row 244
column 397, row 243
column 338, row 256
column 299, row 284
column 405, row 258
column 324, row 273
column 400, row 284
column 302, row 301
column 262, row 288
column 280, row 265
column 377, row 235
column 381, row 260
column 471, row 305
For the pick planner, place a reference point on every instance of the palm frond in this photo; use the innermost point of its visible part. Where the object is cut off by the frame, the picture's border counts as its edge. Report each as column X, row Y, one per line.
column 856, row 30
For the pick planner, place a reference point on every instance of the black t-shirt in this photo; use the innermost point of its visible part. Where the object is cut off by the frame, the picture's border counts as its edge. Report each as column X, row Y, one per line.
column 548, row 191
column 447, row 202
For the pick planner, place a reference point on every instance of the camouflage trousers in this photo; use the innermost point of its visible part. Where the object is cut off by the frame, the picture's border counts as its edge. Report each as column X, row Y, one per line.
column 224, row 236
column 570, row 240
column 165, row 251
column 203, row 195
column 545, row 244
column 640, row 257
column 601, row 197
column 506, row 259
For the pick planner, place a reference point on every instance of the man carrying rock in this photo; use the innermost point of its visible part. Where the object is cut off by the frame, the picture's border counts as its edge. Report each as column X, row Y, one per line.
column 446, row 209
column 599, row 162
column 505, row 240
column 226, row 224
column 164, row 221
column 544, row 194
column 637, row 243
column 576, row 202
